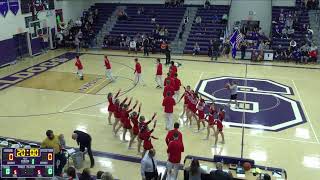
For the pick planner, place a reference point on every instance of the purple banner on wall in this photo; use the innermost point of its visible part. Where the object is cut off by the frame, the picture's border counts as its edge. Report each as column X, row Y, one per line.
column 3, row 7
column 14, row 6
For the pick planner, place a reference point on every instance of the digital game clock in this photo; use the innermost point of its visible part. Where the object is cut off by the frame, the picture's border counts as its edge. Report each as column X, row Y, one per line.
column 27, row 163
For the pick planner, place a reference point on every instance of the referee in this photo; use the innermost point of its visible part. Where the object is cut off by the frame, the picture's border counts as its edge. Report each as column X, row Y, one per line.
column 84, row 140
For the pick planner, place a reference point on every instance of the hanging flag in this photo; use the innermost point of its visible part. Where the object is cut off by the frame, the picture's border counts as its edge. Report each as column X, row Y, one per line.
column 235, row 40
column 14, row 6
column 3, row 7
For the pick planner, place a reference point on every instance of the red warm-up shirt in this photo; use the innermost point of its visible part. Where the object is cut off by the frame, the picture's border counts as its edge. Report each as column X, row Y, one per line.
column 168, row 103
column 169, row 136
column 78, row 64
column 177, row 84
column 173, row 70
column 107, row 63
column 138, row 68
column 159, row 69
column 166, row 89
column 171, row 81
column 175, row 149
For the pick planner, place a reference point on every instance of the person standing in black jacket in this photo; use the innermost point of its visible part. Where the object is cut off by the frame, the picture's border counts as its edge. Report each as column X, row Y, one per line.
column 215, row 49
column 84, row 140
column 168, row 55
column 243, row 48
column 146, row 47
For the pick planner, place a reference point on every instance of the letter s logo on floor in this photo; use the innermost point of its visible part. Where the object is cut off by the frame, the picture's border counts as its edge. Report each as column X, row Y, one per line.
column 264, row 102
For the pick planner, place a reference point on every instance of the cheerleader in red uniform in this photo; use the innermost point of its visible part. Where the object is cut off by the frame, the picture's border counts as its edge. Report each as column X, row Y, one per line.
column 120, row 114
column 143, row 126
column 147, row 144
column 117, row 114
column 201, row 118
column 186, row 100
column 221, row 114
column 219, row 124
column 126, row 125
column 192, row 106
column 135, row 130
column 210, row 119
column 111, row 106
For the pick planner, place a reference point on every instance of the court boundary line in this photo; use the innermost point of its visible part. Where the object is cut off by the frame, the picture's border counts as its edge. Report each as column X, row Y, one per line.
column 306, row 112
column 203, row 61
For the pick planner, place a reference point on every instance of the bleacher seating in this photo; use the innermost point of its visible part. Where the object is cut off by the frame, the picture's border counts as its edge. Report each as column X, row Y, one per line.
column 299, row 36
column 213, row 30
column 168, row 17
column 105, row 11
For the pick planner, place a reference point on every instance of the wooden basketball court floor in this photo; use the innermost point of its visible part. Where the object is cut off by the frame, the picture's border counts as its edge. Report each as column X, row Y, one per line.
column 57, row 100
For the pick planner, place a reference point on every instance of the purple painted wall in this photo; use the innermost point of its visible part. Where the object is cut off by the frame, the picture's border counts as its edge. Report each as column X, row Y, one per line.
column 8, row 51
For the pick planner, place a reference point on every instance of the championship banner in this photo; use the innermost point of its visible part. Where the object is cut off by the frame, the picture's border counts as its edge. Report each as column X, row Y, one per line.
column 3, row 7
column 14, row 6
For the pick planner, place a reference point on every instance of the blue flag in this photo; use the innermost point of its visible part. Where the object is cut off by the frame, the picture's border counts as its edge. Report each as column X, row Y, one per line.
column 233, row 41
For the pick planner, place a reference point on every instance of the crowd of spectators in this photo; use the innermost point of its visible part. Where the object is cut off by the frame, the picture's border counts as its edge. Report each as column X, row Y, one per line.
column 144, row 42
column 310, row 4
column 285, row 28
column 78, row 33
column 173, row 3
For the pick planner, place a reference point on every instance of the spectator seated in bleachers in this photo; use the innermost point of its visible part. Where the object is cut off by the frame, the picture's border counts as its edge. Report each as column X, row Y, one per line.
column 107, row 176
column 132, row 46
column 207, row 4
column 310, row 4
column 86, row 174
column 71, row 174
column 279, row 53
column 224, row 18
column 163, row 46
column 196, row 49
column 198, row 20
column 122, row 15
column 140, row 11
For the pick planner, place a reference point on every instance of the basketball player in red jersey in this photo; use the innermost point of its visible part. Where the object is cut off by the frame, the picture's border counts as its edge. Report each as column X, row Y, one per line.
column 79, row 66
column 137, row 72
column 200, row 108
column 143, row 126
column 168, row 104
column 210, row 119
column 173, row 69
column 107, row 64
column 171, row 79
column 186, row 100
column 126, row 125
column 177, row 85
column 111, row 106
column 135, row 130
column 168, row 88
column 159, row 74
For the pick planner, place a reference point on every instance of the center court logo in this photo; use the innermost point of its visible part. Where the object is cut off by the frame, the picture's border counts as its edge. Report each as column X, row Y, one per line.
column 263, row 104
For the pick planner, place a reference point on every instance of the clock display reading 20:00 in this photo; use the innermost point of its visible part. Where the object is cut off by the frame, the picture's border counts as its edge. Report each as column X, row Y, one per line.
column 27, row 153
